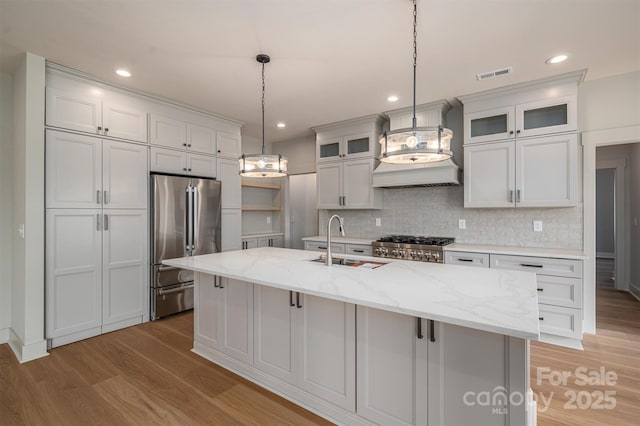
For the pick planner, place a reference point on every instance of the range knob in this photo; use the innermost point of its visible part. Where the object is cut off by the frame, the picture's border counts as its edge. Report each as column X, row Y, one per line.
column 400, row 253
column 427, row 256
column 419, row 254
column 413, row 254
column 436, row 256
column 394, row 253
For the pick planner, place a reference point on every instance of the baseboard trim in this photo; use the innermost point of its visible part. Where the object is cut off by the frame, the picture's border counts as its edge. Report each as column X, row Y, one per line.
column 4, row 335
column 634, row 290
column 25, row 353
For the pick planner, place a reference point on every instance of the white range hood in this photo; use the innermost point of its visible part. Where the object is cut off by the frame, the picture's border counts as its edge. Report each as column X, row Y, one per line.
column 442, row 173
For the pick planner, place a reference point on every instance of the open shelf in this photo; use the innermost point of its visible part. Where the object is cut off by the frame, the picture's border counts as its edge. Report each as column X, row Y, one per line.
column 261, row 208
column 264, row 185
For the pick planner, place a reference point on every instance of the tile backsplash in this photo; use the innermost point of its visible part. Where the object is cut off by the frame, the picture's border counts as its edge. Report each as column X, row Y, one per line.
column 436, row 211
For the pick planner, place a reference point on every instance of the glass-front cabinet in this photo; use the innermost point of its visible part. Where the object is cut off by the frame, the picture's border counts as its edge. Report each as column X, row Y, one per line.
column 549, row 116
column 346, row 147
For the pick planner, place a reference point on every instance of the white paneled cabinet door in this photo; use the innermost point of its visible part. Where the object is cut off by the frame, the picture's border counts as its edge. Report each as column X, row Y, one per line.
column 168, row 160
column 73, row 111
column 201, row 139
column 275, row 331
column 73, row 274
column 547, row 171
column 125, row 171
column 236, row 319
column 74, row 170
column 392, row 368
column 228, row 174
column 489, row 175
column 167, row 132
column 124, row 121
column 228, row 144
column 329, row 184
column 206, row 309
column 358, row 192
column 231, row 228
column 201, row 165
column 327, row 349
column 125, row 264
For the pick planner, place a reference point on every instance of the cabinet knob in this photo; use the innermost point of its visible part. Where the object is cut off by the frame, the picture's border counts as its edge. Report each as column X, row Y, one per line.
column 184, row 169
column 184, row 144
column 189, row 145
column 99, row 128
column 218, row 151
column 511, row 132
column 106, row 129
column 518, row 131
column 189, row 169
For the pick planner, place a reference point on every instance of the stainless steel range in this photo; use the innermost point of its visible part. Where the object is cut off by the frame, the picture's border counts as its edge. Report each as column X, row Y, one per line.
column 407, row 247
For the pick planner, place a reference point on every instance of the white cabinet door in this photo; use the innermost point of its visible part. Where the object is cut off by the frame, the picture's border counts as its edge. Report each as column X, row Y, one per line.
column 264, row 242
column 275, row 327
column 327, row 349
column 73, row 111
column 392, row 368
column 73, row 273
column 277, row 241
column 206, row 306
column 360, row 145
column 124, row 121
column 249, row 243
column 228, row 144
column 125, row 265
column 491, row 125
column 489, row 175
column 228, row 174
column 201, row 139
column 231, row 228
column 548, row 116
column 236, row 319
column 201, row 165
column 125, row 174
column 329, row 150
column 547, row 171
column 165, row 131
column 74, row 170
column 329, row 185
column 168, row 161
column 358, row 192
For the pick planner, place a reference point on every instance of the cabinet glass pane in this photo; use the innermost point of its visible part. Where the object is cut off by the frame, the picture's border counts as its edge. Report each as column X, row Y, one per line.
column 355, row 146
column 555, row 115
column 489, row 125
column 329, row 150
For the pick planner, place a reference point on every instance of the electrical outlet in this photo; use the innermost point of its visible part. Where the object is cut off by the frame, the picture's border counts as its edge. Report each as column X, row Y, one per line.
column 21, row 231
column 378, row 221
column 537, row 226
column 462, row 224
column 268, row 219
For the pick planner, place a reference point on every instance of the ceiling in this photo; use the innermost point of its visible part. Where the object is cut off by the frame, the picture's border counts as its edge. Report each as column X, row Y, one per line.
column 330, row 59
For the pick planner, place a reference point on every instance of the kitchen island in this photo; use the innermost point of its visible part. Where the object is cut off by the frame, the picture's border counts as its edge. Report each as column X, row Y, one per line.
column 421, row 343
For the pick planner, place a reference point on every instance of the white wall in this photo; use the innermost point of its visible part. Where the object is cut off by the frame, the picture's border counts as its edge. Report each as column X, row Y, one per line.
column 609, row 103
column 605, row 199
column 301, row 154
column 27, row 317
column 635, row 219
column 6, row 193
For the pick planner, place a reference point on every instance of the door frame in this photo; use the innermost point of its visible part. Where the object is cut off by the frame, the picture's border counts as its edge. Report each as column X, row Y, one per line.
column 591, row 140
column 621, row 221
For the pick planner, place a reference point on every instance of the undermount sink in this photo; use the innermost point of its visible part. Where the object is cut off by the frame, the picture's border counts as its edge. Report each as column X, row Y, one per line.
column 349, row 262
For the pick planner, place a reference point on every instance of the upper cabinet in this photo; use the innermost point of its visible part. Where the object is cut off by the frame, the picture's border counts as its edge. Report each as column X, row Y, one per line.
column 179, row 134
column 521, row 145
column 81, row 107
column 346, row 155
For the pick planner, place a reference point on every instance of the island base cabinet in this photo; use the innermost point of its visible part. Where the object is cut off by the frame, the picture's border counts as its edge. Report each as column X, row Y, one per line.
column 224, row 315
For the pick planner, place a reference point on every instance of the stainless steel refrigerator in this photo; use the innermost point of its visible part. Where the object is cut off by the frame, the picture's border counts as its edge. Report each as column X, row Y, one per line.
column 185, row 221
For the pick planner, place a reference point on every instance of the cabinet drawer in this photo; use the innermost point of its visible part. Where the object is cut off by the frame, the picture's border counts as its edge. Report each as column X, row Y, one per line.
column 560, row 321
column 358, row 249
column 480, row 260
column 320, row 246
column 560, row 291
column 539, row 265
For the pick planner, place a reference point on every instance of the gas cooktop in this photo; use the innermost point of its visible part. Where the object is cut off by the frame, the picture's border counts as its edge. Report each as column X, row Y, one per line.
column 410, row 247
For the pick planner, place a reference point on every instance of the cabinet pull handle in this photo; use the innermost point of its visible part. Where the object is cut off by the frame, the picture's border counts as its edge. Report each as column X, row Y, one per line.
column 531, row 265
column 511, row 196
column 97, row 222
column 358, row 251
column 106, row 129
column 541, row 318
column 291, row 298
column 432, row 330
column 462, row 259
column 98, row 196
column 344, row 200
column 99, row 129
column 106, row 222
column 419, row 320
column 215, row 281
column 540, row 289
column 298, row 304
column 518, row 196
column 105, row 197
column 322, row 248
column 220, row 283
column 518, row 131
column 511, row 132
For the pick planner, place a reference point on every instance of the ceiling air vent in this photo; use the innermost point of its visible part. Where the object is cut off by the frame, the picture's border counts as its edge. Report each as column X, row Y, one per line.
column 495, row 73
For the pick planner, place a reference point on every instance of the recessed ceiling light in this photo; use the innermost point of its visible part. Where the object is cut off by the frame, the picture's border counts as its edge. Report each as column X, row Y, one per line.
column 281, row 125
column 557, row 59
column 123, row 73
column 392, row 98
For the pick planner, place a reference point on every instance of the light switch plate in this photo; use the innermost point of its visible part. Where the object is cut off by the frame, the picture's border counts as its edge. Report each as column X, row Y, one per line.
column 268, row 219
column 378, row 221
column 537, row 226
column 462, row 224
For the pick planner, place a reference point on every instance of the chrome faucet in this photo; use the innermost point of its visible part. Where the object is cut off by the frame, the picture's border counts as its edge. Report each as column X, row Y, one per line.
column 341, row 220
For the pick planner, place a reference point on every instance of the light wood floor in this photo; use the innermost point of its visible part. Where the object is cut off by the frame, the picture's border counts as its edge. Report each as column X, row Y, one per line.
column 147, row 375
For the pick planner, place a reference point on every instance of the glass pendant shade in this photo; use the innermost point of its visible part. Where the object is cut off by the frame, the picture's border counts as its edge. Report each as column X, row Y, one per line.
column 416, row 145
column 263, row 165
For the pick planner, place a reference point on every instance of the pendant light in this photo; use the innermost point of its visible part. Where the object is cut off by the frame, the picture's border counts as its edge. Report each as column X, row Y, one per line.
column 263, row 165
column 416, row 144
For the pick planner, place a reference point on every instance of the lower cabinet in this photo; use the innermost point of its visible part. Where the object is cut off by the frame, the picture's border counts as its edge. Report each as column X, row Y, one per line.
column 308, row 342
column 263, row 241
column 231, row 228
column 224, row 316
column 96, row 272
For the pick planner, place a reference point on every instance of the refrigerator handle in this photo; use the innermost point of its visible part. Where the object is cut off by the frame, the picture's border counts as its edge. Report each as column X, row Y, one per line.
column 188, row 224
column 194, row 218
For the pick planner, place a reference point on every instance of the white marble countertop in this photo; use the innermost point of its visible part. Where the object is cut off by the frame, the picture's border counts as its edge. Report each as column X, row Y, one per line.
column 499, row 301
column 518, row 251
column 341, row 240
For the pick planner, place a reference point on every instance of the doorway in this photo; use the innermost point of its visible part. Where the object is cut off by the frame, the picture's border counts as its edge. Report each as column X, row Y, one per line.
column 605, row 227
column 303, row 215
